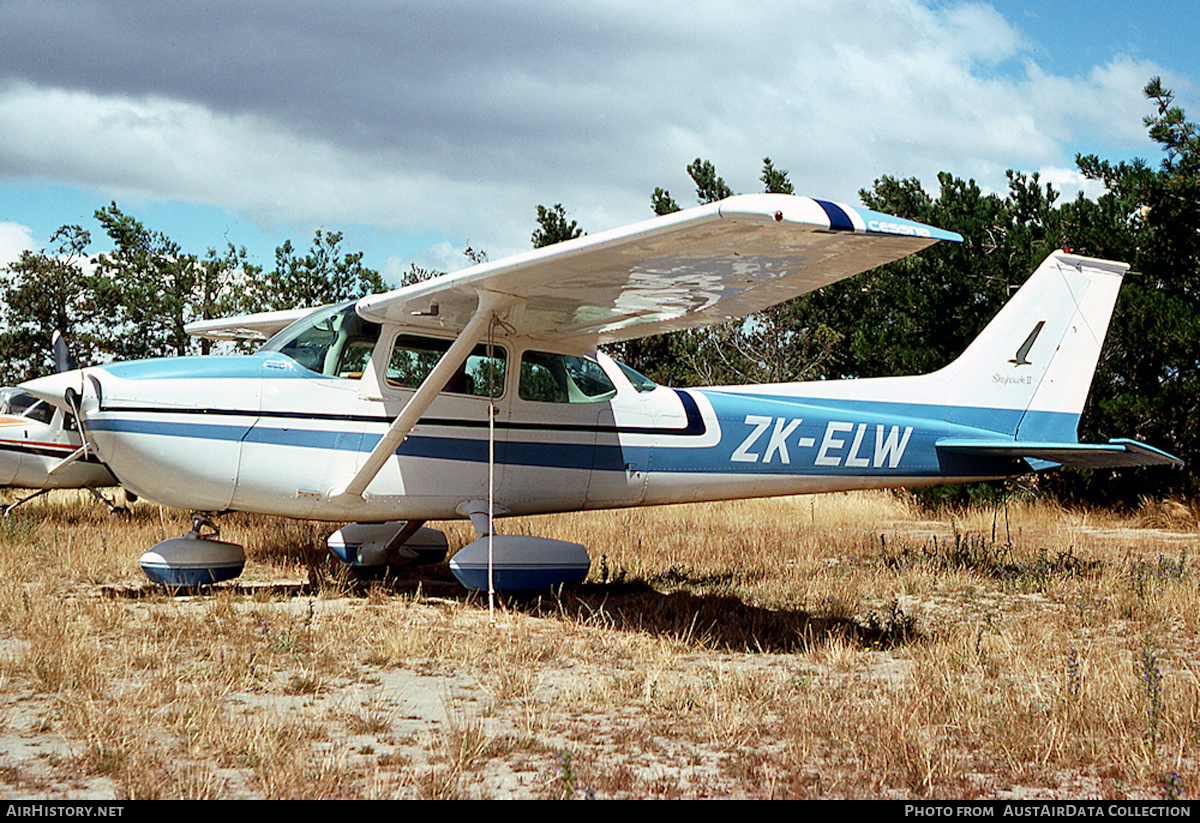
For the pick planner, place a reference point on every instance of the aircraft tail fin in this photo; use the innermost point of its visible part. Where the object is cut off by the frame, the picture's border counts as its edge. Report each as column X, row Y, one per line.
column 1019, row 388
column 1030, row 369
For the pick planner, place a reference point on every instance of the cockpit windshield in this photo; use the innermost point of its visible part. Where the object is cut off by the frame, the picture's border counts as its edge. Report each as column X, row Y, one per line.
column 333, row 341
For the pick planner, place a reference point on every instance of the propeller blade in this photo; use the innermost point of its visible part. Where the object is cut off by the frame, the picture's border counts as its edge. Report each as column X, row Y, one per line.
column 63, row 361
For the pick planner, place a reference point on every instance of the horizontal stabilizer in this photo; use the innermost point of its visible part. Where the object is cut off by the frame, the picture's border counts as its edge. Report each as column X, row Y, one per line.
column 1116, row 454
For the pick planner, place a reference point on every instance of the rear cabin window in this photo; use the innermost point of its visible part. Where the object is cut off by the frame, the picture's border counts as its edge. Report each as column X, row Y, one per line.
column 563, row 378
column 413, row 358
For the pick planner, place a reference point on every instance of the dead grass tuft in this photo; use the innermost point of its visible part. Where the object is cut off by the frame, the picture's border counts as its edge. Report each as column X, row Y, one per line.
column 1176, row 515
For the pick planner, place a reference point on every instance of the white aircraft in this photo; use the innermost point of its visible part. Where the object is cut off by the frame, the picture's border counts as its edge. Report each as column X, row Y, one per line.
column 483, row 393
column 40, row 445
column 36, row 441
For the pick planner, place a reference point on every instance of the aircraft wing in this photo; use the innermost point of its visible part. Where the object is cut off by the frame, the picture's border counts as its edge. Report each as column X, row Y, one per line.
column 1115, row 454
column 261, row 326
column 684, row 270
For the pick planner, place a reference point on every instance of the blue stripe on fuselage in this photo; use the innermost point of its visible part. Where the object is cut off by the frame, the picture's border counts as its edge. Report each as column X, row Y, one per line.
column 469, row 448
column 760, row 434
column 1059, row 427
column 772, row 435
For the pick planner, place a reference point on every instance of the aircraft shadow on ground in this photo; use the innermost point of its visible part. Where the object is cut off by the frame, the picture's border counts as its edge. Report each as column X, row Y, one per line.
column 682, row 608
column 710, row 620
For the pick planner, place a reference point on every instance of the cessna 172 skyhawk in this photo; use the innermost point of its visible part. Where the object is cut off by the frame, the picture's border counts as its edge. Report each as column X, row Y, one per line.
column 378, row 411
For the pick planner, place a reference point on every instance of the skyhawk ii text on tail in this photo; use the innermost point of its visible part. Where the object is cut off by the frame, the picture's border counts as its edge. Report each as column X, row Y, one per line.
column 483, row 392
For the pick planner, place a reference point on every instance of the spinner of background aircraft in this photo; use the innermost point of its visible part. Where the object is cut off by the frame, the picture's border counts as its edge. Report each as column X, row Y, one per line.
column 483, row 393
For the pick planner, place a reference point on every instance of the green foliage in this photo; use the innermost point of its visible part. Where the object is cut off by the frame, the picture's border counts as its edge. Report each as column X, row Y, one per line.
column 709, row 187
column 553, row 227
column 775, row 180
column 662, row 203
column 537, row 383
column 667, row 359
column 774, row 346
column 133, row 302
column 322, row 275
column 147, row 287
column 222, row 275
column 917, row 314
column 44, row 291
column 418, row 274
column 139, row 296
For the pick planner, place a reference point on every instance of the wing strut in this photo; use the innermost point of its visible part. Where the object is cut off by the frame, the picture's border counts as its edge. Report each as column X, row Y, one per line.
column 491, row 513
column 431, row 386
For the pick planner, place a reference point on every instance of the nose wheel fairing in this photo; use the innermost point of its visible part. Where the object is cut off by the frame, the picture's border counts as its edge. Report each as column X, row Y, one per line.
column 196, row 559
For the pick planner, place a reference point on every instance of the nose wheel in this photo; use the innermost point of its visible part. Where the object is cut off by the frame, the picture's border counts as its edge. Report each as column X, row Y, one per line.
column 197, row 558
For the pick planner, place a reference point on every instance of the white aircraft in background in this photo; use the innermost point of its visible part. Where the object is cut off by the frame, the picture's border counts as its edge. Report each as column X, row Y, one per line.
column 36, row 440
column 40, row 445
column 483, row 393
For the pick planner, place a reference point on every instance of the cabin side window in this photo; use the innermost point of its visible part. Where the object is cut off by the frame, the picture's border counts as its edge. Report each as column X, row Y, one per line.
column 413, row 358
column 563, row 378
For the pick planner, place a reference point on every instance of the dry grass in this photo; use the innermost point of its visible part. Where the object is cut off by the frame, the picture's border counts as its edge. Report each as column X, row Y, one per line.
column 832, row 646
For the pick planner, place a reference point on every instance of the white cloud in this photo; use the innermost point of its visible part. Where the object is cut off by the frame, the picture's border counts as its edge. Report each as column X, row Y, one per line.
column 440, row 257
column 1069, row 183
column 14, row 239
column 595, row 111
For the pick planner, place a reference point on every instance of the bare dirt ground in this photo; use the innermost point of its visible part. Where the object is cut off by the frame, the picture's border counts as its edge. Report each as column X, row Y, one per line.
column 842, row 646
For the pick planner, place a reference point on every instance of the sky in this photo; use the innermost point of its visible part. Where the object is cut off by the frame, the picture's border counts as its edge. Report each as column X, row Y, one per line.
column 418, row 129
